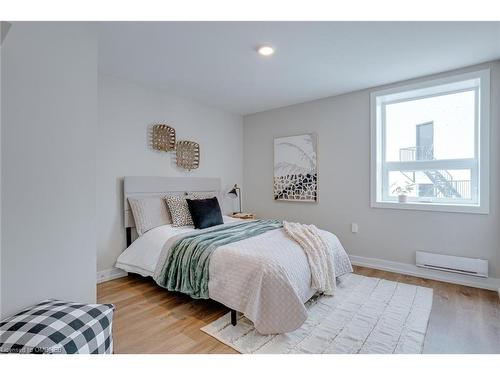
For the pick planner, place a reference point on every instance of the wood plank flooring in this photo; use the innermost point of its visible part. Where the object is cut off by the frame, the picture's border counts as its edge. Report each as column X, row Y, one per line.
column 148, row 319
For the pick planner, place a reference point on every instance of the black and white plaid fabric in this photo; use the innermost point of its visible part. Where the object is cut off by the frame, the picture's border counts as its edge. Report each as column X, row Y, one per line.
column 55, row 326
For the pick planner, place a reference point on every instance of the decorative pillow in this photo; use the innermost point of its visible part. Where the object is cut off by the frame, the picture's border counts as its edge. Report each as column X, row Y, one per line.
column 205, row 212
column 179, row 210
column 149, row 212
column 202, row 194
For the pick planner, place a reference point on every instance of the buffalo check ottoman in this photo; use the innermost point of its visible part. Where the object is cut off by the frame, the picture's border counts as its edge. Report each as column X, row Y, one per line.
column 55, row 326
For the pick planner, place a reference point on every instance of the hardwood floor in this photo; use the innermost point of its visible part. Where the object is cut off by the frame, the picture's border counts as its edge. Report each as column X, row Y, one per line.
column 149, row 319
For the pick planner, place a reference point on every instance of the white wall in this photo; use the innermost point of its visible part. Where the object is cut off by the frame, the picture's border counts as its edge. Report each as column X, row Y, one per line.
column 343, row 126
column 1, row 41
column 49, row 117
column 126, row 111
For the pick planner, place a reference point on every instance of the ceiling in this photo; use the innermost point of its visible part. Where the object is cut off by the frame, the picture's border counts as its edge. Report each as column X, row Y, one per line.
column 216, row 63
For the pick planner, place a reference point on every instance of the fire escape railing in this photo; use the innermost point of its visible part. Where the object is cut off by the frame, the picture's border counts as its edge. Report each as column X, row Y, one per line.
column 444, row 186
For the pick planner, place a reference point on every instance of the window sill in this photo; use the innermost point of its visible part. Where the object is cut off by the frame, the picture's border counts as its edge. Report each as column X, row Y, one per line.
column 440, row 207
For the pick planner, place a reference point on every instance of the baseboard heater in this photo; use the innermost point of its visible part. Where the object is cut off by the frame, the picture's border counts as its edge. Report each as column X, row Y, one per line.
column 449, row 263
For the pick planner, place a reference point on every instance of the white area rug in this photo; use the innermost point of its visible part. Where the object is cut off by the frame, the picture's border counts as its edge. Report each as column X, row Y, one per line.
column 366, row 315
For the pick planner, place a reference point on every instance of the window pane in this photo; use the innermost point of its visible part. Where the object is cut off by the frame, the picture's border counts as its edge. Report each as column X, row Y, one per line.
column 439, row 127
column 449, row 185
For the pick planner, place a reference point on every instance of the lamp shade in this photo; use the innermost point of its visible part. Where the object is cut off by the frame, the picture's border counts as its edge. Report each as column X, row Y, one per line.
column 234, row 190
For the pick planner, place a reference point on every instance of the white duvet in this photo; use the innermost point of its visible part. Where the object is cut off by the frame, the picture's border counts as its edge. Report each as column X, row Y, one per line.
column 266, row 277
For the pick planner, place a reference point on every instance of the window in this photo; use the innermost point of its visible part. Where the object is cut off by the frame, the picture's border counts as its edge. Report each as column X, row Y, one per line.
column 430, row 145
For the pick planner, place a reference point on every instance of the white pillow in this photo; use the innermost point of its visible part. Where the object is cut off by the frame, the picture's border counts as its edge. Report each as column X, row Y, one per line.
column 149, row 212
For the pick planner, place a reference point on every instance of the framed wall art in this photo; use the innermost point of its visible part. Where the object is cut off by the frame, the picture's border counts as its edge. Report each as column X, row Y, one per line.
column 296, row 168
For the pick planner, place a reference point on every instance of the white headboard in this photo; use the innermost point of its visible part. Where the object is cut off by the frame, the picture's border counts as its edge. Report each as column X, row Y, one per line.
column 139, row 185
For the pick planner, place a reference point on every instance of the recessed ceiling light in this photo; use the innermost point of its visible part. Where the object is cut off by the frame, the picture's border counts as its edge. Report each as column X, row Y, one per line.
column 265, row 50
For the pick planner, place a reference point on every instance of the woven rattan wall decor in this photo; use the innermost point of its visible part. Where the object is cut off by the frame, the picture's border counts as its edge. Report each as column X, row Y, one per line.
column 187, row 154
column 163, row 138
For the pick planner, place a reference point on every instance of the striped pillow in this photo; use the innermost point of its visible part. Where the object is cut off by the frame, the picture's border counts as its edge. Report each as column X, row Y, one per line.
column 149, row 212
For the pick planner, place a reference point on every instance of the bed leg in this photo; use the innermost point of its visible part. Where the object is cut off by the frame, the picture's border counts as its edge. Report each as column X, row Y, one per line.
column 233, row 317
column 129, row 236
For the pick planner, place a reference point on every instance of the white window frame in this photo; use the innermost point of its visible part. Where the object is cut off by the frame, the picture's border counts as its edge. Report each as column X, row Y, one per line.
column 479, row 166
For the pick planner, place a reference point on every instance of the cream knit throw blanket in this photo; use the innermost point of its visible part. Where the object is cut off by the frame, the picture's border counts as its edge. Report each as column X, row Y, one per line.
column 319, row 255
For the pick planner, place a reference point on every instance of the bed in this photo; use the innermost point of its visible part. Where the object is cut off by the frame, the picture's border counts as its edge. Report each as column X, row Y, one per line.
column 265, row 277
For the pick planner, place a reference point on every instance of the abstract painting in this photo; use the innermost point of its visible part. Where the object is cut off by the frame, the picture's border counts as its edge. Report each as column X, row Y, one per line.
column 295, row 168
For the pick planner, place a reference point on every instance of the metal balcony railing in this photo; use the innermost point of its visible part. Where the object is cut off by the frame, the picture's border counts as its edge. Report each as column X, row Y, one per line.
column 416, row 153
column 443, row 185
column 461, row 186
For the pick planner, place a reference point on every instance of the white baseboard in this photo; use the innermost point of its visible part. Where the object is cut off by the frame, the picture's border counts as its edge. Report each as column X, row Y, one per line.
column 412, row 270
column 110, row 274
